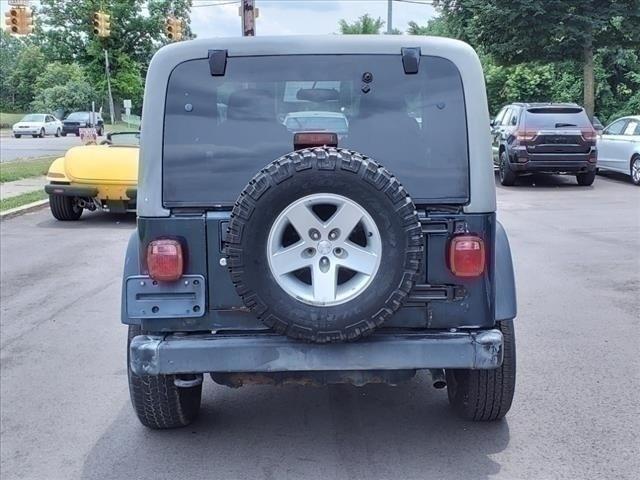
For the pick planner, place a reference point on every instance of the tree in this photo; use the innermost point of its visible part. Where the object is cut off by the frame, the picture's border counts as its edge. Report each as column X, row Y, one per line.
column 62, row 87
column 10, row 48
column 436, row 26
column 516, row 31
column 29, row 65
column 65, row 32
column 363, row 26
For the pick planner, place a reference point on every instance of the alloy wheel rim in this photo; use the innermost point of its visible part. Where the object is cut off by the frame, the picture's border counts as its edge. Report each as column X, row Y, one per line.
column 635, row 171
column 324, row 249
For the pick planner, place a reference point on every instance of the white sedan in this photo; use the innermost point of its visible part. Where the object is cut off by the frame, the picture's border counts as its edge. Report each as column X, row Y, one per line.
column 38, row 125
column 619, row 147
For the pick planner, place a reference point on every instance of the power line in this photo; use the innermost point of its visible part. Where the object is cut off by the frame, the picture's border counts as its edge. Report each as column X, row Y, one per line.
column 417, row 2
column 215, row 4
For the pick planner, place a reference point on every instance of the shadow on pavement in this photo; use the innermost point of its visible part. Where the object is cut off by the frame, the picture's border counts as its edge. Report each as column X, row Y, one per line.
column 545, row 182
column 295, row 432
column 93, row 220
column 616, row 177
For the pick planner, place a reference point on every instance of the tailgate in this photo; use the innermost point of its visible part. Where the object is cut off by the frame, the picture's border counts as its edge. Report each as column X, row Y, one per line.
column 558, row 141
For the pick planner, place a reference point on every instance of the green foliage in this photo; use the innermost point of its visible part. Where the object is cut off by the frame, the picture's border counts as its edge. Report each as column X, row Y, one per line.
column 127, row 82
column 65, row 33
column 515, row 31
column 520, row 31
column 436, row 27
column 29, row 64
column 365, row 25
column 62, row 86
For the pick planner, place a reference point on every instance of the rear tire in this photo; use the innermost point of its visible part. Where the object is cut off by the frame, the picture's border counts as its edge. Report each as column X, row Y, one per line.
column 506, row 175
column 485, row 395
column 57, row 132
column 64, row 208
column 17, row 135
column 64, row 134
column 158, row 403
column 635, row 170
column 586, row 179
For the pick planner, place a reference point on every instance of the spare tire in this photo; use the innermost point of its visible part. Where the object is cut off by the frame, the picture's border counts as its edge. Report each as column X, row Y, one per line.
column 324, row 245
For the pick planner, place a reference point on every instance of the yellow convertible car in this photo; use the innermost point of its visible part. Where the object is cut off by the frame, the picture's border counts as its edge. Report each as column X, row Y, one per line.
column 95, row 177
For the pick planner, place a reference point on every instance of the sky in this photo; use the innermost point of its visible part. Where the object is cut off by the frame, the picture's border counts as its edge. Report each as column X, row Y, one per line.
column 286, row 17
column 219, row 18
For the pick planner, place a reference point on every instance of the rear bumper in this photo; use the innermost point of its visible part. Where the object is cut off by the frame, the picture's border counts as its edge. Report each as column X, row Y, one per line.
column 172, row 354
column 71, row 190
column 524, row 161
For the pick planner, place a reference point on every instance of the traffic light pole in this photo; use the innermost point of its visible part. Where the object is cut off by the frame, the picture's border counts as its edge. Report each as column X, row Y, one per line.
column 106, row 69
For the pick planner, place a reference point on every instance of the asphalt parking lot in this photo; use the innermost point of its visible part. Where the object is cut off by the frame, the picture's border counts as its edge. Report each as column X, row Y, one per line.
column 13, row 148
column 65, row 410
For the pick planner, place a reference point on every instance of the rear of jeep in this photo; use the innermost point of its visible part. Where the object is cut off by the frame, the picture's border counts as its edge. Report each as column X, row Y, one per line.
column 277, row 251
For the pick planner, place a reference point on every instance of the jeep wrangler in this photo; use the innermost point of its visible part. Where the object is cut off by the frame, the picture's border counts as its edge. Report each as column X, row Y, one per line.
column 317, row 210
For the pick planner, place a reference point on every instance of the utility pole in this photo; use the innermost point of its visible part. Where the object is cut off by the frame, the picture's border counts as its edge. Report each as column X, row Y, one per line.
column 106, row 68
column 389, row 17
column 249, row 13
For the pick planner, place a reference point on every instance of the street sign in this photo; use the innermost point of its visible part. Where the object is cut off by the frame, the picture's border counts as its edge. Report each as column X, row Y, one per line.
column 18, row 3
column 126, row 104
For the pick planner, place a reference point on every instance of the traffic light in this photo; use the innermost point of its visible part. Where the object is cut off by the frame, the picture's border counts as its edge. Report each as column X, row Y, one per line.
column 173, row 29
column 27, row 21
column 12, row 21
column 19, row 21
column 101, row 24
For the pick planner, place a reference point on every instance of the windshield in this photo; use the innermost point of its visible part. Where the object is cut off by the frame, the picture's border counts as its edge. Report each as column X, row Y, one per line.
column 78, row 116
column 34, row 117
column 124, row 139
column 220, row 130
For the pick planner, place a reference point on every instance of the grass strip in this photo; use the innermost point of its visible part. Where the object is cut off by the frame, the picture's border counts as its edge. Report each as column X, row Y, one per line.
column 19, row 169
column 20, row 200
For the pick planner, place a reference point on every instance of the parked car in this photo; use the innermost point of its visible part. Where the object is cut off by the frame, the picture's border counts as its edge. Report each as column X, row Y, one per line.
column 268, row 256
column 37, row 125
column 95, row 177
column 553, row 138
column 77, row 120
column 317, row 121
column 619, row 147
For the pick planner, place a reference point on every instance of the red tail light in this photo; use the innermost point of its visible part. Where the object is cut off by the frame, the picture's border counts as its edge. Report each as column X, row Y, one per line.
column 467, row 256
column 525, row 135
column 164, row 260
column 589, row 134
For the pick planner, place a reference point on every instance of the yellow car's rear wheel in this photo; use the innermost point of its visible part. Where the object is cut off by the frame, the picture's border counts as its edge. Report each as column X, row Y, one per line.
column 65, row 208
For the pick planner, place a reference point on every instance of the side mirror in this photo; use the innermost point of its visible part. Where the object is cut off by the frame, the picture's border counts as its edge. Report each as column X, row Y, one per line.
column 492, row 123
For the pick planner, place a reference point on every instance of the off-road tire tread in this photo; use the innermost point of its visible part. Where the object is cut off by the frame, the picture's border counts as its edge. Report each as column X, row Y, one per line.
column 158, row 403
column 62, row 208
column 322, row 159
column 485, row 395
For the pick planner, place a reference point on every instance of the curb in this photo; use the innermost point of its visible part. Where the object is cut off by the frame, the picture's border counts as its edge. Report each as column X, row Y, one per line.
column 29, row 207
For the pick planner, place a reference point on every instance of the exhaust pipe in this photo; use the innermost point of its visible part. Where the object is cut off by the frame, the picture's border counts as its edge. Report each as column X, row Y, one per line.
column 438, row 378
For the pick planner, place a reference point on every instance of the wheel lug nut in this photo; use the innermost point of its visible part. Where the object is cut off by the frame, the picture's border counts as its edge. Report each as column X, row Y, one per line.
column 333, row 234
column 314, row 234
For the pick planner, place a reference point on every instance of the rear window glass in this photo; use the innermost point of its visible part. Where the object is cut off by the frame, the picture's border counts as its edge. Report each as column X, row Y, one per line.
column 548, row 117
column 220, row 131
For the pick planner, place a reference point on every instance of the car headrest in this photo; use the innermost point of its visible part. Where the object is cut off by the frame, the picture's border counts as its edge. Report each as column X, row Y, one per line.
column 251, row 104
